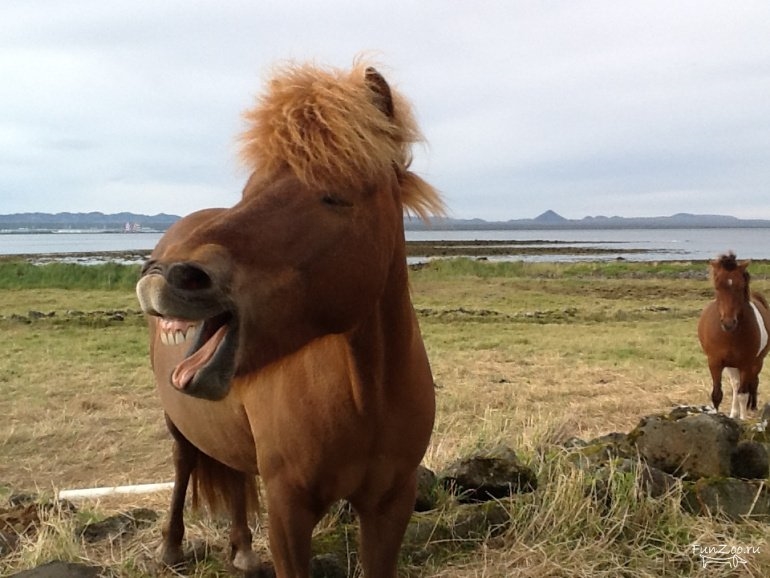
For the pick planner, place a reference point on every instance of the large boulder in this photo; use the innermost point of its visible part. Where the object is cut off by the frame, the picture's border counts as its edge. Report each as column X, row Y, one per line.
column 427, row 490
column 750, row 461
column 736, row 499
column 690, row 447
column 488, row 475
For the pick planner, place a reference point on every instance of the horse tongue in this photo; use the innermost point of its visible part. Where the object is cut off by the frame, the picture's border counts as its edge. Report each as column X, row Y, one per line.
column 186, row 370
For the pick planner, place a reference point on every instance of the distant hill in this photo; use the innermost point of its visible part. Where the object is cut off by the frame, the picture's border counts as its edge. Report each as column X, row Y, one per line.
column 549, row 218
column 552, row 220
column 116, row 222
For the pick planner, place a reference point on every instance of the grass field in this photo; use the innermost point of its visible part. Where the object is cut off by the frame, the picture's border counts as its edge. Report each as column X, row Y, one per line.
column 524, row 354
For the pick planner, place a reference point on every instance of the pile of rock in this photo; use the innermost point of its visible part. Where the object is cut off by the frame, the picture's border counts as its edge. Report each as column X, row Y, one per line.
column 716, row 465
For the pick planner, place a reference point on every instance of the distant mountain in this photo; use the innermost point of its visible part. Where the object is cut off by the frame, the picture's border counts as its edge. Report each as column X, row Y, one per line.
column 117, row 222
column 549, row 217
column 552, row 220
column 85, row 221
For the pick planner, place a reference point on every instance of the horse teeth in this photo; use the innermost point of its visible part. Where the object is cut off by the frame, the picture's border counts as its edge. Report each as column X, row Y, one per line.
column 176, row 336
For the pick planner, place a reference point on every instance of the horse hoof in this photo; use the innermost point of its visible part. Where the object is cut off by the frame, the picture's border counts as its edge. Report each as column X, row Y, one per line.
column 247, row 561
column 172, row 557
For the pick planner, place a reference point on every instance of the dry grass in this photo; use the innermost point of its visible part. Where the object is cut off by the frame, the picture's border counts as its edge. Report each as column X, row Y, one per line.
column 523, row 360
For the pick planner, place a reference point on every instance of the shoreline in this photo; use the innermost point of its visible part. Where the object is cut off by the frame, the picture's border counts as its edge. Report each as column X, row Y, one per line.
column 477, row 249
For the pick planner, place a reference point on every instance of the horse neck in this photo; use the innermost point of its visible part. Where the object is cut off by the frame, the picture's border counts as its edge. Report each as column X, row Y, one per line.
column 385, row 338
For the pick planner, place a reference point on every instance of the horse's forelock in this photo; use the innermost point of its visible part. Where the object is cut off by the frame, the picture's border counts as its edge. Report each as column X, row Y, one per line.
column 728, row 262
column 420, row 198
column 327, row 127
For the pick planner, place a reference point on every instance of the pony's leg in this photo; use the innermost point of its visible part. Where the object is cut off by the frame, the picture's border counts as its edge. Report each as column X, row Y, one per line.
column 382, row 529
column 752, row 403
column 747, row 393
column 243, row 557
column 737, row 407
column 753, row 386
column 749, row 386
column 291, row 519
column 716, row 380
column 185, row 458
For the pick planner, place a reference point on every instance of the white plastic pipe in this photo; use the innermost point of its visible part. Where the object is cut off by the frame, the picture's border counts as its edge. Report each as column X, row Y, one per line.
column 110, row 490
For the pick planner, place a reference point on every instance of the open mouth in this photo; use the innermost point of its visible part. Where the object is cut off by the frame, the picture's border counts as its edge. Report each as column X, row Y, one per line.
column 209, row 353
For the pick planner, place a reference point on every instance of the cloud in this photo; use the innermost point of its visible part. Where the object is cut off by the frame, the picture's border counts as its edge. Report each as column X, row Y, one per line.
column 580, row 107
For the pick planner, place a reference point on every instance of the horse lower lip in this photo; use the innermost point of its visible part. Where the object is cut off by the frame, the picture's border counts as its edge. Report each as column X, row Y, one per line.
column 185, row 371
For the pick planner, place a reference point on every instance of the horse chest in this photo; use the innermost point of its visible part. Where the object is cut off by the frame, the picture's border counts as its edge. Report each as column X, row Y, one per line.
column 220, row 429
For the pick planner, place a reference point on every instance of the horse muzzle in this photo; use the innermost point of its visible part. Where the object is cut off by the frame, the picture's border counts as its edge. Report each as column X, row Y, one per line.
column 728, row 325
column 196, row 329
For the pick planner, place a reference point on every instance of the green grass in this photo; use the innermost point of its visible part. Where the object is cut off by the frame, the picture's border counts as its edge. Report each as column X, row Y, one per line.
column 523, row 354
column 106, row 276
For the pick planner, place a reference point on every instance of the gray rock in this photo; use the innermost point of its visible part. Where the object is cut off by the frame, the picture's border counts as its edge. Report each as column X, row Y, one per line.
column 434, row 535
column 427, row 490
column 651, row 481
column 750, row 461
column 488, row 475
column 656, row 483
column 736, row 499
column 573, row 443
column 59, row 569
column 118, row 526
column 692, row 447
column 599, row 451
column 324, row 566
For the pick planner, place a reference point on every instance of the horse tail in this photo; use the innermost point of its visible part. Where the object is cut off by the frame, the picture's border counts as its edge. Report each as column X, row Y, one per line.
column 218, row 486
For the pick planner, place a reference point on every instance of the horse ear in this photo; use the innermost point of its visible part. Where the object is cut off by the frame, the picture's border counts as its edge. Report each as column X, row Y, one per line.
column 743, row 265
column 383, row 98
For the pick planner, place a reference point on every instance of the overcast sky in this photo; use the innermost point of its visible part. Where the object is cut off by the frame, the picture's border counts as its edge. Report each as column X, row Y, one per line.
column 584, row 107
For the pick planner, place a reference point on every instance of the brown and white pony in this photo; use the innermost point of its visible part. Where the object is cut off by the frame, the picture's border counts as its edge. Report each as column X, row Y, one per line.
column 282, row 335
column 733, row 332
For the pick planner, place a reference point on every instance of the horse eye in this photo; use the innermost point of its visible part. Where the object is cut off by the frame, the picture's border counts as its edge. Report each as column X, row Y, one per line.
column 334, row 201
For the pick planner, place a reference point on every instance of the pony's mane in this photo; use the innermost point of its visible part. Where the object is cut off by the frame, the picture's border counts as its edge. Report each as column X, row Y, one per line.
column 728, row 261
column 324, row 125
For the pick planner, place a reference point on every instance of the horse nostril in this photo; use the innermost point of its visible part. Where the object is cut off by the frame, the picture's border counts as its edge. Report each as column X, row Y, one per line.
column 151, row 266
column 188, row 277
column 729, row 325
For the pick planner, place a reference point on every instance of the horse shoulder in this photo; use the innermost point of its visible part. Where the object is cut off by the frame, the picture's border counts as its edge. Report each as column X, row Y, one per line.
column 709, row 316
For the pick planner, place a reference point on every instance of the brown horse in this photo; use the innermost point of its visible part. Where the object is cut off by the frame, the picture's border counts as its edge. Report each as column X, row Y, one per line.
column 282, row 335
column 733, row 330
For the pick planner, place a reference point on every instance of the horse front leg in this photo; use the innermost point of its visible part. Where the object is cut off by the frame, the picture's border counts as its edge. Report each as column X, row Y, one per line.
column 185, row 458
column 716, row 380
column 291, row 518
column 753, row 389
column 752, row 386
column 382, row 527
column 747, row 393
column 738, row 406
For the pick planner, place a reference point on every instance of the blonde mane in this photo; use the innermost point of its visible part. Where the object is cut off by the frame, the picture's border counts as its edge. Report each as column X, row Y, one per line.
column 324, row 125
